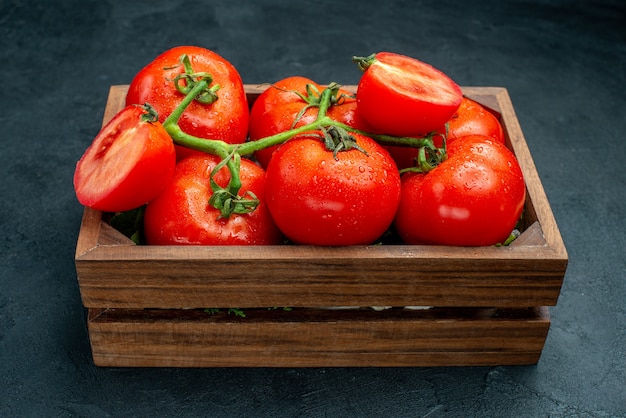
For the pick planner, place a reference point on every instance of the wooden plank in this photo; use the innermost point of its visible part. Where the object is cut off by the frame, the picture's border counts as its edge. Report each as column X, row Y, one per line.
column 317, row 338
column 301, row 276
column 116, row 102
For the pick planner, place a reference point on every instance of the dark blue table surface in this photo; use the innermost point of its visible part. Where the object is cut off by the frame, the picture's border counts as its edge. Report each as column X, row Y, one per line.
column 564, row 65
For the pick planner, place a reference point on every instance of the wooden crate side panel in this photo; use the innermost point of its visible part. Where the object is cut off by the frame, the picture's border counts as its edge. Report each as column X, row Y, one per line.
column 536, row 192
column 89, row 232
column 116, row 102
column 311, row 339
column 230, row 280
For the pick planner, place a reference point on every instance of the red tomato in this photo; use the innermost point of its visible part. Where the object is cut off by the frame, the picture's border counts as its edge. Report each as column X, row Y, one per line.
column 402, row 96
column 473, row 119
column 473, row 198
column 181, row 214
column 226, row 119
column 276, row 109
column 319, row 200
column 128, row 163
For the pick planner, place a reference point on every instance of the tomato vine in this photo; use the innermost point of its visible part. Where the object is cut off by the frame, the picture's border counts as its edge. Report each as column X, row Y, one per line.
column 335, row 135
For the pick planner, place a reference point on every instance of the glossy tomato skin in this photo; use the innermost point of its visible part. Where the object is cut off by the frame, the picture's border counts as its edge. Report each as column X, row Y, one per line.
column 226, row 119
column 317, row 200
column 181, row 214
column 471, row 118
column 128, row 163
column 474, row 119
column 403, row 96
column 473, row 198
column 276, row 109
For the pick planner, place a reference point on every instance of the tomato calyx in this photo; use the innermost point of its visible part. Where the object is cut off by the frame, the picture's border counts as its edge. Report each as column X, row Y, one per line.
column 428, row 156
column 226, row 199
column 229, row 204
column 314, row 98
column 363, row 63
column 150, row 115
column 329, row 97
column 337, row 139
column 185, row 83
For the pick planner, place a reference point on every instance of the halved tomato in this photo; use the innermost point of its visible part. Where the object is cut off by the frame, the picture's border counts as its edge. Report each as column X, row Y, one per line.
column 129, row 162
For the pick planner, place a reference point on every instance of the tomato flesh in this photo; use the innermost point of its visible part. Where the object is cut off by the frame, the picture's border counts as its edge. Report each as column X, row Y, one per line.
column 403, row 96
column 128, row 163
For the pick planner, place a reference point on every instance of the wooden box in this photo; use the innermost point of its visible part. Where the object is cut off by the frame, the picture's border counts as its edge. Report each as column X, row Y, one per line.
column 485, row 305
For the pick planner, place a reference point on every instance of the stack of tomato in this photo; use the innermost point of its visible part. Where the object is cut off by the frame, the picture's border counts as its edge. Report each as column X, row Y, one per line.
column 407, row 155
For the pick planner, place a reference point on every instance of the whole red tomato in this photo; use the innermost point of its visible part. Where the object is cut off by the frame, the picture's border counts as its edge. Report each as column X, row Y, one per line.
column 402, row 96
column 474, row 119
column 473, row 198
column 278, row 107
column 128, row 163
column 318, row 199
column 181, row 214
column 225, row 119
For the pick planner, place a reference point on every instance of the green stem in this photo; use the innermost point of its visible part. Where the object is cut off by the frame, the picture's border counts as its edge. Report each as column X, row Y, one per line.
column 399, row 141
column 215, row 147
column 210, row 146
column 222, row 148
column 326, row 99
column 324, row 103
column 233, row 163
column 224, row 199
column 172, row 119
column 364, row 62
column 227, row 200
column 279, row 138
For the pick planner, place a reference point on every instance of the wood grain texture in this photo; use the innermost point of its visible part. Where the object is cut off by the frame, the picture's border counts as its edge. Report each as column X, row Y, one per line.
column 318, row 338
